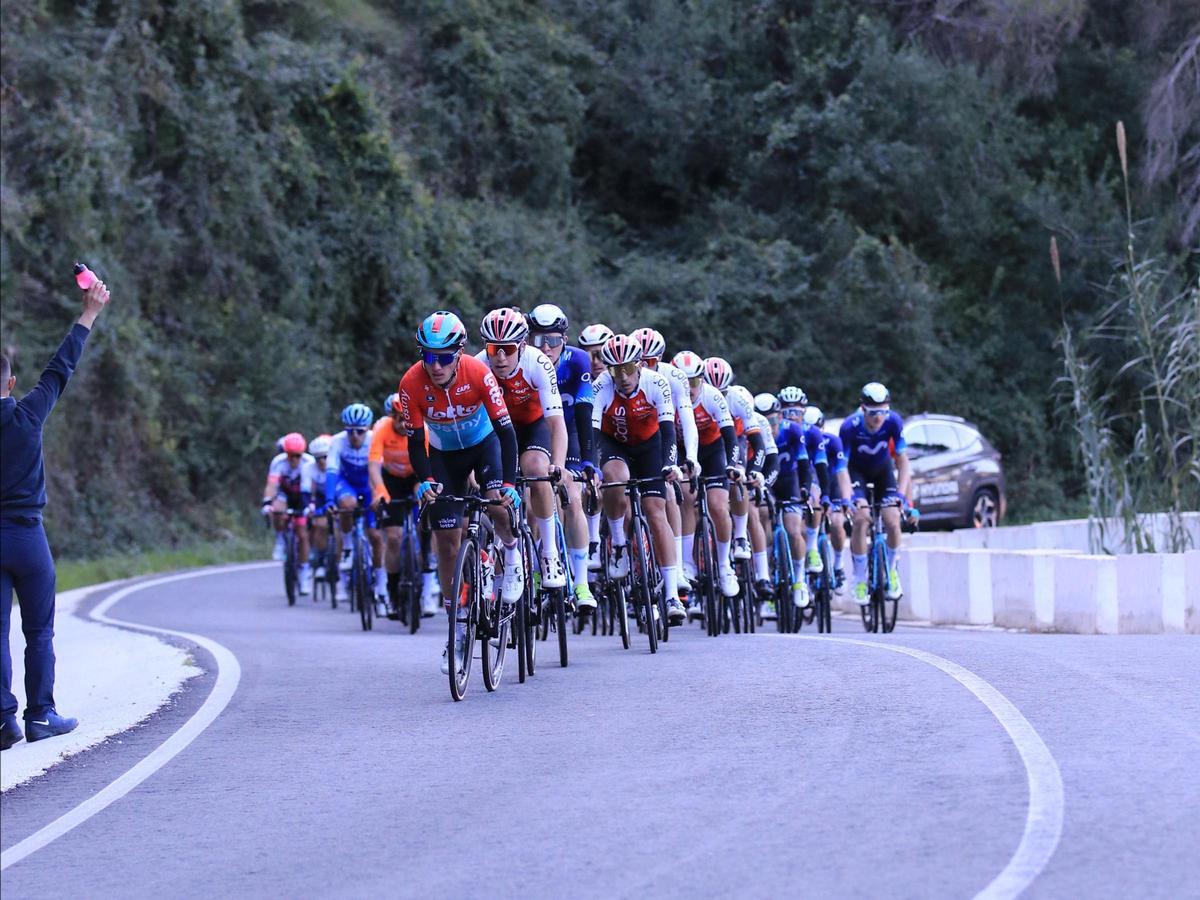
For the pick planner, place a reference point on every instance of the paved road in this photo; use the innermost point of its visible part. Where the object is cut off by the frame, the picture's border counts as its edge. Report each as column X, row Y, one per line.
column 749, row 766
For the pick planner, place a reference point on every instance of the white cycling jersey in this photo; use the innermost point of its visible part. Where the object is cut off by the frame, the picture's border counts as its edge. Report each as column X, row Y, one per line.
column 681, row 396
column 348, row 462
column 288, row 478
column 764, row 428
column 531, row 391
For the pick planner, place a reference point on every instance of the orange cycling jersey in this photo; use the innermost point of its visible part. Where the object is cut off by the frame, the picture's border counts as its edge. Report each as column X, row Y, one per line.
column 457, row 416
column 390, row 448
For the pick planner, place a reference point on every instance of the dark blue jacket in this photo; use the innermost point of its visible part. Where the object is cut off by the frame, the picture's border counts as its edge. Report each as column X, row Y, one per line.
column 22, row 474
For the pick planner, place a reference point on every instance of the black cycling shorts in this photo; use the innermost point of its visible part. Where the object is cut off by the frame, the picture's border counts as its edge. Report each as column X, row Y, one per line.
column 453, row 468
column 712, row 462
column 534, row 436
column 644, row 460
column 400, row 488
column 787, row 489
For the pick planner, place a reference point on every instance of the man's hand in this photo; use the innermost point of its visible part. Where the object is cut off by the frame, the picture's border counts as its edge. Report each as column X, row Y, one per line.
column 95, row 299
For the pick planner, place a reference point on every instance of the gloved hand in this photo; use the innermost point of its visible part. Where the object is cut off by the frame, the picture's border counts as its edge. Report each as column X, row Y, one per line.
column 671, row 474
column 428, row 490
column 511, row 495
column 735, row 473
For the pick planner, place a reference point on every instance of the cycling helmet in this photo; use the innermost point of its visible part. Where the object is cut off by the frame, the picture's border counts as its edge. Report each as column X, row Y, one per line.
column 546, row 318
column 389, row 405
column 320, row 445
column 718, row 373
column 504, row 326
column 442, row 330
column 294, row 443
column 357, row 415
column 654, row 345
column 814, row 416
column 793, row 396
column 279, row 444
column 766, row 403
column 595, row 336
column 689, row 363
column 874, row 392
column 621, row 349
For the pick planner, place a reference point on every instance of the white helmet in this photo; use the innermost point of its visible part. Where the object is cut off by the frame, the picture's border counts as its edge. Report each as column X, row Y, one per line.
column 546, row 318
column 689, row 363
column 654, row 345
column 814, row 416
column 320, row 445
column 792, row 396
column 766, row 403
column 621, row 349
column 595, row 336
column 874, row 392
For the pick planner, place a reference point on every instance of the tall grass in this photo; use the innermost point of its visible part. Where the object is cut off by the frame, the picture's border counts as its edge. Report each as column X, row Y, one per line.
column 73, row 573
column 1134, row 384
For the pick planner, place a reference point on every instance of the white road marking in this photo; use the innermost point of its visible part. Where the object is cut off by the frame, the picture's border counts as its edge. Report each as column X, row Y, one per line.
column 229, row 673
column 1043, row 821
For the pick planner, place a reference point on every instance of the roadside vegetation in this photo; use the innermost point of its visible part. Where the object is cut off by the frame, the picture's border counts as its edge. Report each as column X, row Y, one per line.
column 824, row 192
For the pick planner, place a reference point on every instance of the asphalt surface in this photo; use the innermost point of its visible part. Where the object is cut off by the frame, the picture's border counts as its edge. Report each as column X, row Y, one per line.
column 749, row 766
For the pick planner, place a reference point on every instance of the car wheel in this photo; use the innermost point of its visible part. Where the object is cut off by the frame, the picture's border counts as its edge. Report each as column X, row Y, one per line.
column 985, row 512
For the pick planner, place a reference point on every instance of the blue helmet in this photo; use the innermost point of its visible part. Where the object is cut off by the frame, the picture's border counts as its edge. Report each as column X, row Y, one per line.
column 389, row 403
column 442, row 330
column 357, row 415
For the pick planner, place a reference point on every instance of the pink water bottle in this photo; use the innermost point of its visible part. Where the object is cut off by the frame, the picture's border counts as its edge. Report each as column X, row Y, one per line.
column 84, row 277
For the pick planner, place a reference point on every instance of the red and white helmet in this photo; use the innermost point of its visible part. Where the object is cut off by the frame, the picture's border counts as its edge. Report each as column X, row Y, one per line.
column 595, row 336
column 294, row 443
column 504, row 326
column 654, row 345
column 718, row 373
column 621, row 349
column 689, row 363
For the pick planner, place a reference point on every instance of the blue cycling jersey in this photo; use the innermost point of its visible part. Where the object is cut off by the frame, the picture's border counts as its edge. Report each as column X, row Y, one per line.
column 814, row 443
column 790, row 439
column 868, row 451
column 574, row 377
column 834, row 452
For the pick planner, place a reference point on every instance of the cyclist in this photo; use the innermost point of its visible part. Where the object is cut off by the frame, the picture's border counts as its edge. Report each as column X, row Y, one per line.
column 347, row 478
column 718, row 454
column 318, row 525
column 794, row 470
column 794, row 402
column 530, row 386
column 719, row 374
column 289, row 486
column 454, row 400
column 654, row 347
column 548, row 333
column 839, row 492
column 869, row 438
column 635, row 421
column 392, row 478
column 760, row 466
column 592, row 339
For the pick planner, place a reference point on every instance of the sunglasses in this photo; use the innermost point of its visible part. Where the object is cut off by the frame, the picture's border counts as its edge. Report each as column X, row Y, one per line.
column 506, row 349
column 548, row 340
column 696, row 380
column 293, row 456
column 442, row 359
column 628, row 368
column 356, row 431
column 650, row 361
column 873, row 411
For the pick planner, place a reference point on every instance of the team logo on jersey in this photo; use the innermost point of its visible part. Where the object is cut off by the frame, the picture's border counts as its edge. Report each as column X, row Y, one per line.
column 456, row 411
column 462, row 388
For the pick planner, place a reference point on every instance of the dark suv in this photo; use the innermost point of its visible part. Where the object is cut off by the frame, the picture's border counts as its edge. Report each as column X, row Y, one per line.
column 957, row 478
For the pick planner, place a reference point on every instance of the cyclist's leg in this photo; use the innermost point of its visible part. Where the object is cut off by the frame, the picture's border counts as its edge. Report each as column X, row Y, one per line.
column 534, row 443
column 859, row 539
column 687, row 527
column 759, row 529
column 615, row 466
column 451, row 470
column 739, row 511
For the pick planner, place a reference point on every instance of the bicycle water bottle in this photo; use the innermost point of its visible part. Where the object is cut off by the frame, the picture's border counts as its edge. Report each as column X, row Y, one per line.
column 84, row 277
column 486, row 581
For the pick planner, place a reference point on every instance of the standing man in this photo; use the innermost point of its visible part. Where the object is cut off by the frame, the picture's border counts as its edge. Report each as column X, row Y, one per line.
column 25, row 561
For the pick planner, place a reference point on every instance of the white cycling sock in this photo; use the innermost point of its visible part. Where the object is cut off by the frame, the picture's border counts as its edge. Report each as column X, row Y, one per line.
column 722, row 555
column 594, row 528
column 687, row 555
column 894, row 558
column 761, row 572
column 380, row 580
column 616, row 527
column 810, row 536
column 579, row 569
column 797, row 571
column 679, row 550
column 837, row 558
column 860, row 566
column 670, row 583
column 547, row 537
column 512, row 554
column 739, row 526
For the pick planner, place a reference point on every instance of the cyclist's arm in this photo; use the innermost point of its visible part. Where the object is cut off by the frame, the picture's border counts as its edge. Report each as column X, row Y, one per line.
column 843, row 477
column 770, row 468
column 508, row 449
column 558, row 440
column 378, row 490
column 417, row 455
column 687, row 416
column 666, row 431
column 760, row 449
column 583, row 427
column 733, row 450
column 904, row 475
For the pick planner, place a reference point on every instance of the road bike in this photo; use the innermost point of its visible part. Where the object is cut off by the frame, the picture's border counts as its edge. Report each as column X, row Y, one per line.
column 788, row 619
column 879, row 614
column 706, row 584
column 552, row 601
column 644, row 581
column 405, row 597
column 475, row 611
column 821, row 584
column 326, row 560
column 362, row 594
column 291, row 564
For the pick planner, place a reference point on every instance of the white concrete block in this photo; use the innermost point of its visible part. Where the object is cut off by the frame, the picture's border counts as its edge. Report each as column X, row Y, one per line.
column 1085, row 594
column 1022, row 588
column 1140, row 592
column 960, row 587
column 1191, row 592
column 916, row 582
column 1174, row 590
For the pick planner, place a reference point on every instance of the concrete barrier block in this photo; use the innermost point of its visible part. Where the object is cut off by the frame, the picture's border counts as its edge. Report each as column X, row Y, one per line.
column 1140, row 592
column 1085, row 594
column 914, row 575
column 1184, row 607
column 961, row 590
column 1023, row 589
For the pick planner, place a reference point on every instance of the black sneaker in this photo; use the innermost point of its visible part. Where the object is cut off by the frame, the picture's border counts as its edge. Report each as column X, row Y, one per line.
column 10, row 732
column 763, row 587
column 48, row 724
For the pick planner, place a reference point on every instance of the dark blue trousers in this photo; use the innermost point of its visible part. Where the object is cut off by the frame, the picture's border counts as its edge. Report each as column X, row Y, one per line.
column 27, row 567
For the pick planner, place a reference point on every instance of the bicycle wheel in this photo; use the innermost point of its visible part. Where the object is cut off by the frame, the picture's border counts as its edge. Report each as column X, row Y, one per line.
column 494, row 645
column 641, row 581
column 825, row 609
column 706, row 568
column 531, row 602
column 782, row 579
column 464, row 606
column 289, row 567
column 868, row 611
column 619, row 604
column 411, row 578
column 363, row 595
column 558, row 608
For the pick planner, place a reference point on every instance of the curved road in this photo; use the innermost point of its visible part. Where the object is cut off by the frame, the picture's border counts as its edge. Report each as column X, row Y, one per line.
column 757, row 766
